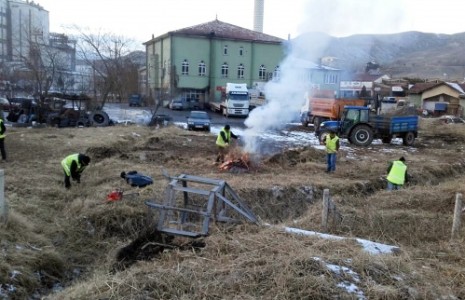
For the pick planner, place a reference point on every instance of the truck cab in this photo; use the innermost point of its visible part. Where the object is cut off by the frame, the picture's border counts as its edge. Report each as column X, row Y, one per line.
column 237, row 100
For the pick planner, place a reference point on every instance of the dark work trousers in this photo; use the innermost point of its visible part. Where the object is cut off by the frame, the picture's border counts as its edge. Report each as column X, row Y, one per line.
column 2, row 148
column 67, row 181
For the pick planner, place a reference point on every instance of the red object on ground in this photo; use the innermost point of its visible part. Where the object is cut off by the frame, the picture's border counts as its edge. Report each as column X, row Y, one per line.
column 115, row 195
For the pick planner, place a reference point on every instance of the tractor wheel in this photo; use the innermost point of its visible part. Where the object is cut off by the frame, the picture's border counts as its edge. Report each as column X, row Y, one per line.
column 408, row 139
column 82, row 122
column 362, row 135
column 99, row 118
column 316, row 123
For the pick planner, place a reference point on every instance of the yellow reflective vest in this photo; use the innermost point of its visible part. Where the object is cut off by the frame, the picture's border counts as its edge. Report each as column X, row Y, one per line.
column 66, row 164
column 219, row 140
column 397, row 173
column 2, row 136
column 331, row 144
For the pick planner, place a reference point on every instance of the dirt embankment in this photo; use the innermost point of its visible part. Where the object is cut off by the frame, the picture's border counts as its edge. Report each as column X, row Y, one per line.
column 70, row 240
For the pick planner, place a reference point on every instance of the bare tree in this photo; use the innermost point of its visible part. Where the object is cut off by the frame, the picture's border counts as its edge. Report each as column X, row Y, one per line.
column 38, row 65
column 42, row 62
column 114, row 72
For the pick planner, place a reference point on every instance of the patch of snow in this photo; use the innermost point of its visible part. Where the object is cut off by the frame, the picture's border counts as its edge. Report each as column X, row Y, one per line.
column 6, row 289
column 341, row 271
column 312, row 233
column 368, row 246
column 121, row 115
column 352, row 289
column 376, row 248
column 14, row 273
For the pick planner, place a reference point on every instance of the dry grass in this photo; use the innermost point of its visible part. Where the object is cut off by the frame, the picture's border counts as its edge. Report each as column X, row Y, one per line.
column 54, row 236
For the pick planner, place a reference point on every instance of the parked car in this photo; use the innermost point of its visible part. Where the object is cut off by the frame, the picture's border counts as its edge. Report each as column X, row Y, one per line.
column 179, row 104
column 199, row 120
column 160, row 119
column 451, row 120
column 135, row 100
column 4, row 104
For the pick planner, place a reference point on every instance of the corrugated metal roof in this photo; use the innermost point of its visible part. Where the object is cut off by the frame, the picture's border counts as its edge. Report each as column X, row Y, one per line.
column 456, row 86
column 224, row 30
column 419, row 88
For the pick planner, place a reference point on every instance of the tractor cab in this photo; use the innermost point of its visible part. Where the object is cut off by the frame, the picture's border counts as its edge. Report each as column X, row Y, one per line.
column 353, row 115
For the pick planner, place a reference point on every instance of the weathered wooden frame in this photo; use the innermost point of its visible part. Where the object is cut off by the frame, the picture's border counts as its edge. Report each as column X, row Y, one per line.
column 217, row 206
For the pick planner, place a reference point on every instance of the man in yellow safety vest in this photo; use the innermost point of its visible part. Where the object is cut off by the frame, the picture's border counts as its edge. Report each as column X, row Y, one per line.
column 73, row 165
column 397, row 174
column 2, row 139
column 332, row 146
column 222, row 142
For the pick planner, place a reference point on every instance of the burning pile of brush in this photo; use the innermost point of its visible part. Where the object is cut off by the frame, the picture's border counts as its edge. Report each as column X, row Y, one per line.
column 237, row 161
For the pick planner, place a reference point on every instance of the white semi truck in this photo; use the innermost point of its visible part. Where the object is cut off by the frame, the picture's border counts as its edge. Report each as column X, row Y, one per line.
column 236, row 101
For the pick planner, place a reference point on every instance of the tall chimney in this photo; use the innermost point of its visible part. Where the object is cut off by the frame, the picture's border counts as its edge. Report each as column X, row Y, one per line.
column 258, row 15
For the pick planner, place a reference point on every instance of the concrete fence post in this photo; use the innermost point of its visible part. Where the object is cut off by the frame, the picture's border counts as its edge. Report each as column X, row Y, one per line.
column 3, row 204
column 325, row 212
column 457, row 216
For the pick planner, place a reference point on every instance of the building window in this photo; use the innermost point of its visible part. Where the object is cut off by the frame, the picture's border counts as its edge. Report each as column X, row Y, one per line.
column 276, row 73
column 202, row 68
column 330, row 78
column 262, row 73
column 185, row 67
column 224, row 70
column 225, row 50
column 241, row 51
column 240, row 71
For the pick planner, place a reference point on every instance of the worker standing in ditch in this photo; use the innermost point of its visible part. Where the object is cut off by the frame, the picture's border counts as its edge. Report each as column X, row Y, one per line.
column 332, row 146
column 397, row 174
column 2, row 139
column 73, row 165
column 222, row 142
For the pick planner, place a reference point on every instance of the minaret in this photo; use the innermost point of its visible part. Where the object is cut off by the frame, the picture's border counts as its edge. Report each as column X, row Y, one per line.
column 258, row 15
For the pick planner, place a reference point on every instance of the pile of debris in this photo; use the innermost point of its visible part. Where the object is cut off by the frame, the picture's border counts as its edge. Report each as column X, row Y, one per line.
column 237, row 162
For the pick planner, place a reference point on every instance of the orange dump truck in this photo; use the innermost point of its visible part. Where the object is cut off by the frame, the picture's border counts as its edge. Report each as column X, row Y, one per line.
column 326, row 109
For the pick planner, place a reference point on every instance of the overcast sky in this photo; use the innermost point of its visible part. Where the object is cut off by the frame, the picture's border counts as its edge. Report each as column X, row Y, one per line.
column 139, row 19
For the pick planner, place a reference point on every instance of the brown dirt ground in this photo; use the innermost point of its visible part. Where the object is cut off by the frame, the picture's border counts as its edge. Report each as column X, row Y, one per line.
column 71, row 244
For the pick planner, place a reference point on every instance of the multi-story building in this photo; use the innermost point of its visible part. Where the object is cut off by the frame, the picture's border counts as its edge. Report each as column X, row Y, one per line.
column 3, row 30
column 29, row 22
column 25, row 39
column 198, row 61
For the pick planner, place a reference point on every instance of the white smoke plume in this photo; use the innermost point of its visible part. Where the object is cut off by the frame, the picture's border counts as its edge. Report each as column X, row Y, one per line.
column 286, row 96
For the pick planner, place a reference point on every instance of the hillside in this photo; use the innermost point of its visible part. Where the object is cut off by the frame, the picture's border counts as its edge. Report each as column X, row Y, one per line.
column 412, row 54
column 71, row 244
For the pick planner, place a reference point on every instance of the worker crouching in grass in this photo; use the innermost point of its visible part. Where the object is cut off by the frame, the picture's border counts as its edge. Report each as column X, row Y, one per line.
column 73, row 165
column 397, row 174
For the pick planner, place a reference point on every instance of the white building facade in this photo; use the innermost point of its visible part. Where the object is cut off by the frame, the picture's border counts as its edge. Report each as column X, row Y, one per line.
column 4, row 16
column 29, row 22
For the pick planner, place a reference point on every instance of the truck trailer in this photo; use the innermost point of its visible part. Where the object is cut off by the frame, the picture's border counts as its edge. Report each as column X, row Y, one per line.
column 318, row 110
